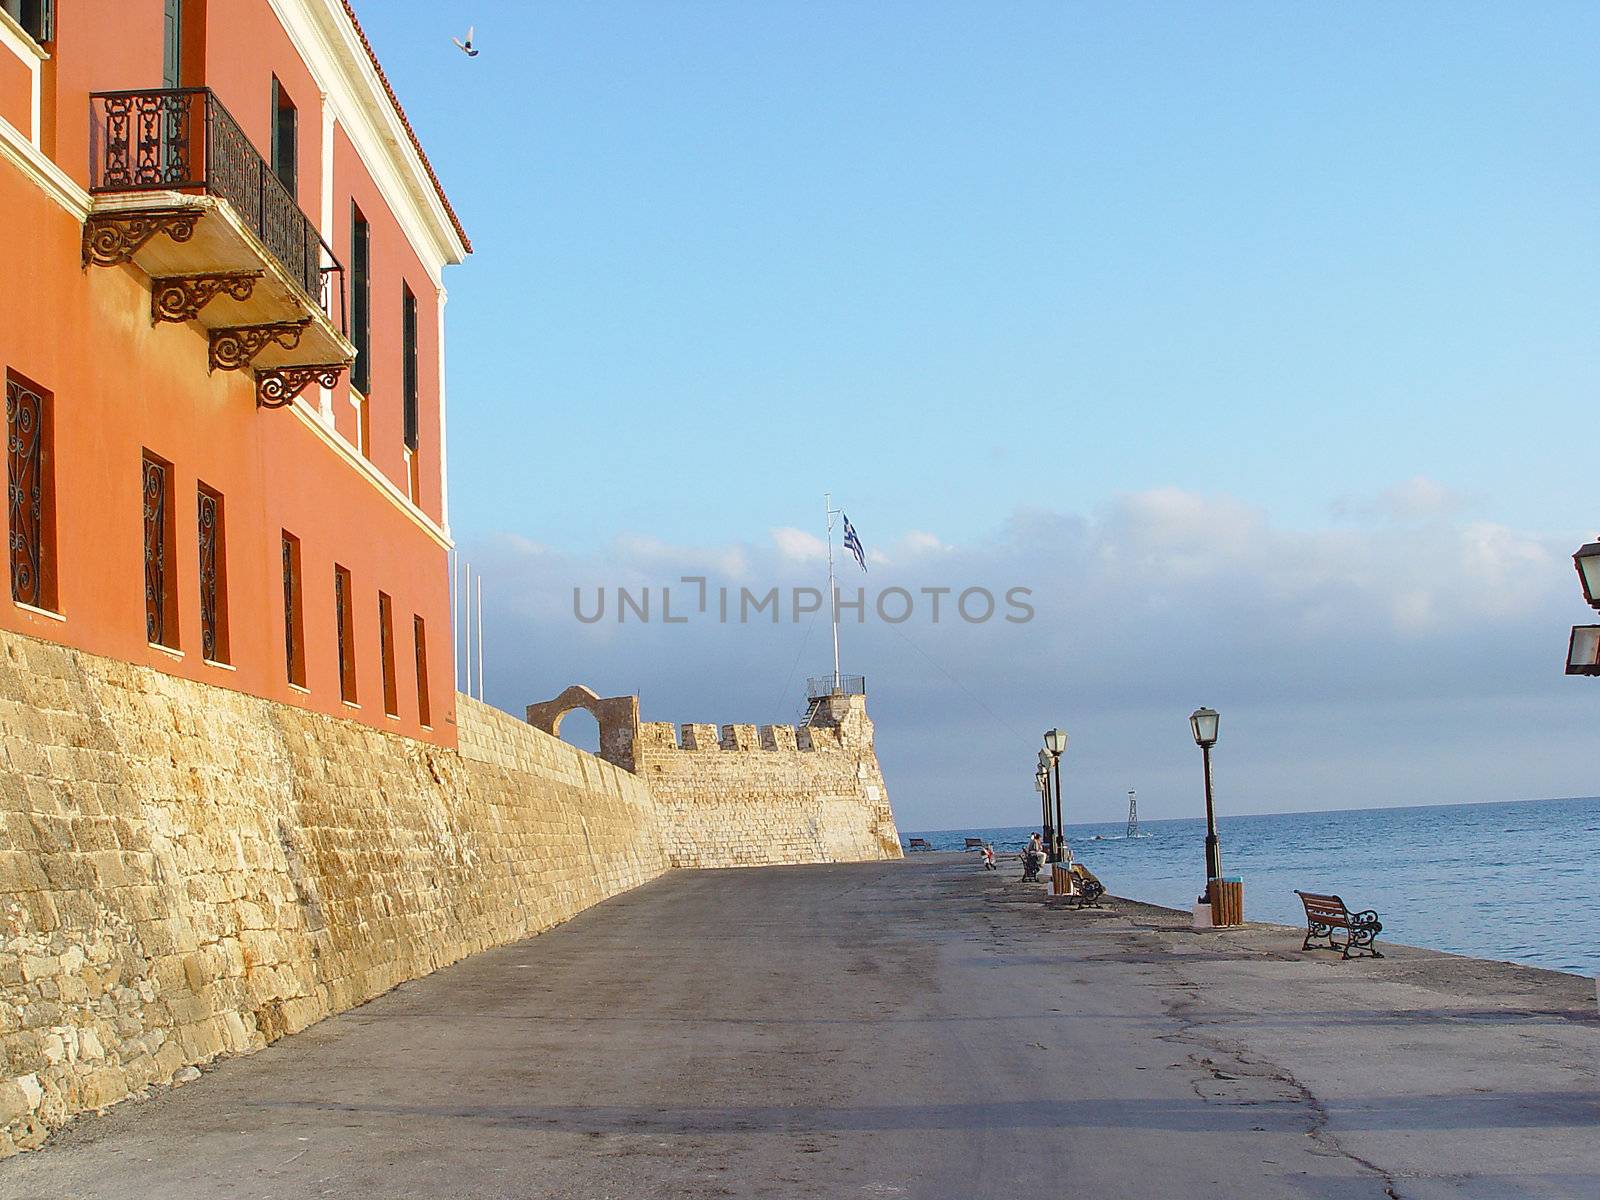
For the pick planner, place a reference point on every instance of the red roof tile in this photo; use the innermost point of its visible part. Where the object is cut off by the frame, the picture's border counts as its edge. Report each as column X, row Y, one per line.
column 405, row 121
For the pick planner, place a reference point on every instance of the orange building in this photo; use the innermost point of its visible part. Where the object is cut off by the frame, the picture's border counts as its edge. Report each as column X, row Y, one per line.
column 220, row 256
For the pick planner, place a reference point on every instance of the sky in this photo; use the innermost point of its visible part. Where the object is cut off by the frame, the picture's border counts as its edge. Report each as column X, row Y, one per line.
column 1254, row 340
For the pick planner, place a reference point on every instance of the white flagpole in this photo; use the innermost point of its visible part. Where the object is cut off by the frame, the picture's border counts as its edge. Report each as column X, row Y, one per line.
column 833, row 601
column 480, row 637
column 451, row 561
column 461, row 624
column 466, row 613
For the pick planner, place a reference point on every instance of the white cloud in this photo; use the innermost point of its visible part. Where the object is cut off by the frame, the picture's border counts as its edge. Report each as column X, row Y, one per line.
column 917, row 541
column 1348, row 658
column 1420, row 498
column 644, row 551
column 796, row 545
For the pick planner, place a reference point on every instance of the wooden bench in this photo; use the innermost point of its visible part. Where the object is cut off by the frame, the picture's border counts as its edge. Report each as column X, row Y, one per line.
column 919, row 844
column 974, row 843
column 1324, row 914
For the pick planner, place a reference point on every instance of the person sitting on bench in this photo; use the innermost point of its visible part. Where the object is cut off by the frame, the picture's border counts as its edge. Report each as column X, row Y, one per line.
column 1032, row 859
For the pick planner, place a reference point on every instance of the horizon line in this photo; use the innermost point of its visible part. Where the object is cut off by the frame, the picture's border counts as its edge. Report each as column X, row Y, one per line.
column 1302, row 812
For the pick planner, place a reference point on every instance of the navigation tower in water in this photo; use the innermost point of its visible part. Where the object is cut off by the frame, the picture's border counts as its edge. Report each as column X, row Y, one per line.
column 1133, row 814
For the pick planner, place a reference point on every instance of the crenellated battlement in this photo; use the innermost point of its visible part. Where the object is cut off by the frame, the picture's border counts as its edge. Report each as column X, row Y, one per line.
column 696, row 737
column 741, row 794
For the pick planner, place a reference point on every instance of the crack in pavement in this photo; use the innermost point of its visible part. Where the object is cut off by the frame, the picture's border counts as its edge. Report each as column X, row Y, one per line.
column 1192, row 1025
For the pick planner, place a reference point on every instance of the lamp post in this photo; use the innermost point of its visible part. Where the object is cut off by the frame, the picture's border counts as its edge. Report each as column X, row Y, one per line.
column 1055, row 745
column 1583, row 650
column 1203, row 723
column 1041, row 785
column 1041, row 780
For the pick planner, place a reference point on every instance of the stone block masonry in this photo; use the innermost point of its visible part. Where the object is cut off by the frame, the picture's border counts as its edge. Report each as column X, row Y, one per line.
column 187, row 871
column 750, row 795
column 747, row 795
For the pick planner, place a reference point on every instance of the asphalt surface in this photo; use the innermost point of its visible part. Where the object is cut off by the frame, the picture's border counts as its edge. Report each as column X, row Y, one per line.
column 917, row 1029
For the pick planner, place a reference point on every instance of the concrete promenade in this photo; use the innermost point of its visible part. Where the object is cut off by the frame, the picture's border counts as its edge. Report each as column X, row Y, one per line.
column 917, row 1029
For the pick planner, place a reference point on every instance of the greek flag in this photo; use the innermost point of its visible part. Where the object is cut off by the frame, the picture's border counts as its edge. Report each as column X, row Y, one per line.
column 853, row 544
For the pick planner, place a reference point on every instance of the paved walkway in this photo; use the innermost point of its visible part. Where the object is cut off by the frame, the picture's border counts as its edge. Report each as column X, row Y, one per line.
column 915, row 1029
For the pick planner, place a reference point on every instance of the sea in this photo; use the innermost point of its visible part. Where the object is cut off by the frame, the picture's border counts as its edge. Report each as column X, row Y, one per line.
column 1518, row 882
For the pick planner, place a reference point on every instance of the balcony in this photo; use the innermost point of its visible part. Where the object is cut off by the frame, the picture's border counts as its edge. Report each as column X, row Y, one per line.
column 182, row 193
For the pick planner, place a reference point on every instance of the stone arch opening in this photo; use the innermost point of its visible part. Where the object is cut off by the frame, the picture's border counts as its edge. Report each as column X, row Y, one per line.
column 579, row 727
column 616, row 716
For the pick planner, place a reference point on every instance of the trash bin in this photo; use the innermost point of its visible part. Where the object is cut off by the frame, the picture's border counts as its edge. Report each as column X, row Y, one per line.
column 1227, row 900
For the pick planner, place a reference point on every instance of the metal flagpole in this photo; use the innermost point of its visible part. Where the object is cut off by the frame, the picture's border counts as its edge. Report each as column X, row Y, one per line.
column 466, row 612
column 833, row 595
column 480, row 637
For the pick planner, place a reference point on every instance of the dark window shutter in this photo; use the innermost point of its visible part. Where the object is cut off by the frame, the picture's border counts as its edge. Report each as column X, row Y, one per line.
column 409, row 333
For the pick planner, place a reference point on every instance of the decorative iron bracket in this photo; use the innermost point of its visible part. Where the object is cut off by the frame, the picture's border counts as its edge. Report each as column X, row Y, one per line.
column 235, row 347
column 277, row 387
column 181, row 297
column 110, row 239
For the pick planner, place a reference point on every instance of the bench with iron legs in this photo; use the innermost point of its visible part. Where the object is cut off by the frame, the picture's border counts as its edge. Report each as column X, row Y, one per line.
column 1324, row 914
column 1089, row 893
column 1076, row 885
column 918, row 844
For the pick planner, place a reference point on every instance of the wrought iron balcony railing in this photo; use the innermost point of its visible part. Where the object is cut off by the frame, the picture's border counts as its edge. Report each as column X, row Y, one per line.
column 184, row 140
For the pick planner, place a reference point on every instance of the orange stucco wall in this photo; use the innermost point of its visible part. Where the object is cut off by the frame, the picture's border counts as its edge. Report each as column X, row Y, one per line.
column 100, row 46
column 395, row 266
column 16, row 90
column 122, row 385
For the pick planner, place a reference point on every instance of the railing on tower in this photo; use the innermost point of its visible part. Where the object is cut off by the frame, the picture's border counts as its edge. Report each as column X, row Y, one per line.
column 184, row 140
column 819, row 686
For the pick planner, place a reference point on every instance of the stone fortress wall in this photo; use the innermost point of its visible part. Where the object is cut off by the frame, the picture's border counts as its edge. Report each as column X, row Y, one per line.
column 188, row 871
column 749, row 795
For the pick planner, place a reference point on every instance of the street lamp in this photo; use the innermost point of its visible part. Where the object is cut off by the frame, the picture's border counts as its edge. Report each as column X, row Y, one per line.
column 1041, row 780
column 1583, row 650
column 1203, row 723
column 1055, row 744
column 1587, row 560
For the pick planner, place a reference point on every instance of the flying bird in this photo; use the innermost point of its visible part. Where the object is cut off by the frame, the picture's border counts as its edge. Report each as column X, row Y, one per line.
column 467, row 47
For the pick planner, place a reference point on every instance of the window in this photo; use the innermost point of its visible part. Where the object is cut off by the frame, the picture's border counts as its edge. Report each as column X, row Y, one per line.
column 37, row 17
column 360, row 301
column 172, row 45
column 213, row 578
column 30, row 478
column 285, row 149
column 424, row 709
column 391, row 693
column 408, row 334
column 160, row 555
column 294, row 622
column 344, row 619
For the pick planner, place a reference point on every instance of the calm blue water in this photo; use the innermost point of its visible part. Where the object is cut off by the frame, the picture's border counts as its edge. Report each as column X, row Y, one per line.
column 1518, row 882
